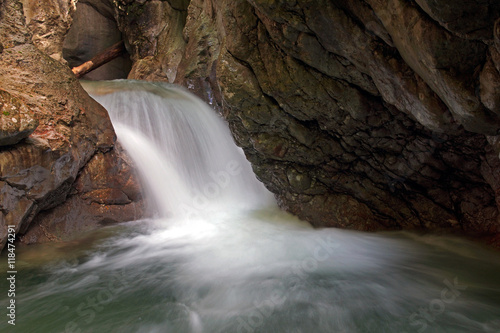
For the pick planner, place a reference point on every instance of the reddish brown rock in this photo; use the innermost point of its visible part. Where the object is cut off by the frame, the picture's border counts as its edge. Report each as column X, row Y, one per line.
column 37, row 174
column 106, row 191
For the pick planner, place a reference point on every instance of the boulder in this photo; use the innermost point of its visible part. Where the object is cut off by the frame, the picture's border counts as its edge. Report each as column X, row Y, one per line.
column 106, row 191
column 38, row 173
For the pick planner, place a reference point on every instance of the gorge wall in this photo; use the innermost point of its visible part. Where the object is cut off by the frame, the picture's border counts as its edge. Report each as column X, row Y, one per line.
column 360, row 114
column 357, row 114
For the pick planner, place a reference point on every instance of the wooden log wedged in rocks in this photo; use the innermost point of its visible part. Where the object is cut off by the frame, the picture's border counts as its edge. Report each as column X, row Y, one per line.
column 102, row 58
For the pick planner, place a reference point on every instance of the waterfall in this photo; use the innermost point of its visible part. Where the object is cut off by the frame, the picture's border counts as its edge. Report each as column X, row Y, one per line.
column 183, row 150
column 220, row 257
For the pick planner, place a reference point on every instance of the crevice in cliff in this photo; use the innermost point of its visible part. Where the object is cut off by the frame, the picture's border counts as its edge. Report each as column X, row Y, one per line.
column 93, row 30
column 20, row 187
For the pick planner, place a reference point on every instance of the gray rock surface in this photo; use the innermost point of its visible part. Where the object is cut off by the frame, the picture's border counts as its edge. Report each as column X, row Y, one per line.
column 359, row 114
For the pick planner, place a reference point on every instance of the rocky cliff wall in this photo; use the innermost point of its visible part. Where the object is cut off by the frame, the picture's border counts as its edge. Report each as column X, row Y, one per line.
column 51, row 134
column 49, row 22
column 357, row 114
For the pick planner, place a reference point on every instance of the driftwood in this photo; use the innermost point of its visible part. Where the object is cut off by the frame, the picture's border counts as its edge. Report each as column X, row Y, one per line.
column 105, row 56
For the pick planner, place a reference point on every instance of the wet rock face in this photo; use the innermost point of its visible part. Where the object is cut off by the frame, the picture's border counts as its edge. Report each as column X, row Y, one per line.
column 359, row 114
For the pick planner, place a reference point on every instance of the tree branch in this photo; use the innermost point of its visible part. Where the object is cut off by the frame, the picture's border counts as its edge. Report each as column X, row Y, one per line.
column 102, row 58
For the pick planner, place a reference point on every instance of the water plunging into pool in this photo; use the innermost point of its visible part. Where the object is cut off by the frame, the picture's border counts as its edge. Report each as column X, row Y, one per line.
column 220, row 257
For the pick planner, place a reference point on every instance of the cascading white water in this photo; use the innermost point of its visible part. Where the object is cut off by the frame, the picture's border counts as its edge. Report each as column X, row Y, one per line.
column 184, row 151
column 220, row 257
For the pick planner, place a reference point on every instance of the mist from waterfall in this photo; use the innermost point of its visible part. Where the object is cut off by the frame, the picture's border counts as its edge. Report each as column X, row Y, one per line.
column 219, row 256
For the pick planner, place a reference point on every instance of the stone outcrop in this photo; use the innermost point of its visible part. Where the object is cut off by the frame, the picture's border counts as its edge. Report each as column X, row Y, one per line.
column 49, row 22
column 153, row 32
column 38, row 170
column 106, row 191
column 363, row 114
